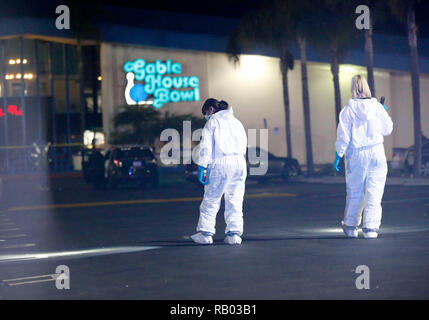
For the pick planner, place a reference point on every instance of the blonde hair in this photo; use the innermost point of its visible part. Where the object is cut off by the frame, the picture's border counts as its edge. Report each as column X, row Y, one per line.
column 360, row 88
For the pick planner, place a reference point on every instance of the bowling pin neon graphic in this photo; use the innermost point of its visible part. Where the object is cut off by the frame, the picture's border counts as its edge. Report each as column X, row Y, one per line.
column 134, row 92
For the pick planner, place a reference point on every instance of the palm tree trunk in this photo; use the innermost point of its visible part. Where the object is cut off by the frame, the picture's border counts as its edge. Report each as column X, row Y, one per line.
column 415, row 83
column 335, row 67
column 369, row 55
column 284, row 70
column 306, row 105
column 79, row 50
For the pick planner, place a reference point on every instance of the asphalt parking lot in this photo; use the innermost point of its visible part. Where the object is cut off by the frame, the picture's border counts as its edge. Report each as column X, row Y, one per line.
column 133, row 243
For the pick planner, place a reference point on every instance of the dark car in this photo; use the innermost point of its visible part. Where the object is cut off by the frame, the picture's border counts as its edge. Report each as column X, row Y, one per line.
column 130, row 164
column 120, row 165
column 277, row 167
column 92, row 165
column 403, row 158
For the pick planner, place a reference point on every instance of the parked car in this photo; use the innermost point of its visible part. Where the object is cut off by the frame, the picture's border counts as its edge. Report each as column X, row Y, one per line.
column 278, row 167
column 403, row 158
column 122, row 165
column 191, row 173
column 89, row 163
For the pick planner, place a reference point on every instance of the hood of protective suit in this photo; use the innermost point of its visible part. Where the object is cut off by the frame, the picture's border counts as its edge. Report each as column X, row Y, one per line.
column 223, row 113
column 230, row 136
column 365, row 109
column 363, row 122
column 222, row 135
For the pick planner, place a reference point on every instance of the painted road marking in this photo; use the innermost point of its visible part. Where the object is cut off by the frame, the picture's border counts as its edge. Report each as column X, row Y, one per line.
column 14, row 246
column 404, row 200
column 146, row 201
column 269, row 195
column 73, row 254
column 12, row 236
column 6, row 223
column 33, row 279
column 10, row 229
column 323, row 233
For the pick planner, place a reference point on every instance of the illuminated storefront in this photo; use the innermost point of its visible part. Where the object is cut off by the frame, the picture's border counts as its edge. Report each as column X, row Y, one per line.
column 254, row 89
column 175, row 71
column 39, row 98
column 158, row 84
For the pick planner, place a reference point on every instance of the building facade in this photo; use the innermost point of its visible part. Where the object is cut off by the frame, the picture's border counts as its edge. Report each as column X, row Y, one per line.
column 254, row 90
column 175, row 69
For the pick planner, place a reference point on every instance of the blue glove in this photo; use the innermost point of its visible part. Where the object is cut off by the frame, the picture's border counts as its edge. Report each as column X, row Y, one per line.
column 385, row 107
column 337, row 162
column 203, row 178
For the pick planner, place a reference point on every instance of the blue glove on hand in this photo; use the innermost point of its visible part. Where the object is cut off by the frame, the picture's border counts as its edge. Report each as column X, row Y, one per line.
column 203, row 178
column 337, row 162
column 385, row 107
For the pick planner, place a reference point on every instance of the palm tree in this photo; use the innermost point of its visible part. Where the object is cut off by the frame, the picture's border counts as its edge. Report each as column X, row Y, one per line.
column 404, row 10
column 377, row 14
column 303, row 28
column 278, row 25
column 333, row 38
column 369, row 55
column 306, row 103
column 269, row 28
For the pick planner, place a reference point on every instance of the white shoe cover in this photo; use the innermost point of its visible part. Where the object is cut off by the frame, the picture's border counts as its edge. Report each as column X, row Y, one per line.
column 234, row 239
column 349, row 232
column 202, row 239
column 370, row 235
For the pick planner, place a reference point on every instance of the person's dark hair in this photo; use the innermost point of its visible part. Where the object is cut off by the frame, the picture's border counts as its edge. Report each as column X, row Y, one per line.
column 217, row 105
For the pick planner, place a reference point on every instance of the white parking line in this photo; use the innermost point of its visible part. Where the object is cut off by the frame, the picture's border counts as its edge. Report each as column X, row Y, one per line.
column 13, row 236
column 73, row 254
column 404, row 200
column 6, row 223
column 10, row 229
column 29, row 282
column 14, row 246
column 33, row 279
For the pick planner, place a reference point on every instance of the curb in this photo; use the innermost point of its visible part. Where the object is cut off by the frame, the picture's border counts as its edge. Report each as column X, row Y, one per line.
column 73, row 175
column 37, row 176
column 391, row 181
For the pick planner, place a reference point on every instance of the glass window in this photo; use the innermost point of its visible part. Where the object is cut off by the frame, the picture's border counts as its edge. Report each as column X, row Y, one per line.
column 44, row 68
column 21, row 69
column 60, row 94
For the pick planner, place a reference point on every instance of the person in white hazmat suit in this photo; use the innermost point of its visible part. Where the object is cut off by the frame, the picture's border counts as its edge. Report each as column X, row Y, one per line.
column 222, row 170
column 362, row 124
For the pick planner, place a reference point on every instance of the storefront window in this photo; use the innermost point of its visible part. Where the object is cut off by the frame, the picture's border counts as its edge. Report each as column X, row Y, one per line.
column 40, row 91
column 18, row 68
column 44, row 68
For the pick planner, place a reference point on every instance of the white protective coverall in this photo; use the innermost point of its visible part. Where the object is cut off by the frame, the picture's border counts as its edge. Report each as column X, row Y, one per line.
column 362, row 125
column 222, row 150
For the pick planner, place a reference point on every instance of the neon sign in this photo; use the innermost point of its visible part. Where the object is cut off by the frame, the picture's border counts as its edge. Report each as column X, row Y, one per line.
column 12, row 110
column 160, row 81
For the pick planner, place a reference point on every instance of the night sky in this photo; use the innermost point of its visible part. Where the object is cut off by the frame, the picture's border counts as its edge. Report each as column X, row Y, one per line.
column 222, row 8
